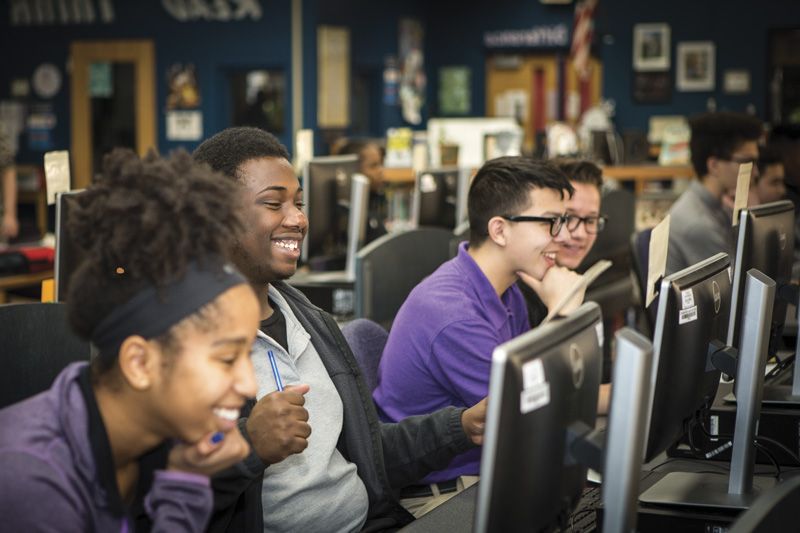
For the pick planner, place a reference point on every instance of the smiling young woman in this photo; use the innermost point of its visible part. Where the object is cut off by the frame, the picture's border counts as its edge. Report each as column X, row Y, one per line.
column 130, row 439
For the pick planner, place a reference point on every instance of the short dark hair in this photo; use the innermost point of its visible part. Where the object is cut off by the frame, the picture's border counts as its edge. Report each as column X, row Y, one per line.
column 502, row 186
column 719, row 135
column 356, row 147
column 148, row 217
column 581, row 171
column 768, row 156
column 227, row 150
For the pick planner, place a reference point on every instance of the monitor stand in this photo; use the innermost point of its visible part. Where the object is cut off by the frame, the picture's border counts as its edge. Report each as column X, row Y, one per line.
column 782, row 390
column 738, row 491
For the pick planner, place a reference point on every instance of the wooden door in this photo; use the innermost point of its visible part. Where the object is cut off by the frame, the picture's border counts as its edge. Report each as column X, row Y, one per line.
column 551, row 90
column 113, row 101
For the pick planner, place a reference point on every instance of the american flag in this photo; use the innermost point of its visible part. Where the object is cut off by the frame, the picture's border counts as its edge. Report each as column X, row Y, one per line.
column 582, row 34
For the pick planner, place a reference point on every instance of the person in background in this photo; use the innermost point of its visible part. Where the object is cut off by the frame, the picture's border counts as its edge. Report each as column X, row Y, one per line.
column 769, row 185
column 584, row 222
column 133, row 435
column 440, row 346
column 785, row 139
column 370, row 159
column 345, row 475
column 8, row 176
column 700, row 222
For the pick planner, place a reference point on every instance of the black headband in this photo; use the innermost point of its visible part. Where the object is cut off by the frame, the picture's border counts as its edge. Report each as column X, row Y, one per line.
column 154, row 310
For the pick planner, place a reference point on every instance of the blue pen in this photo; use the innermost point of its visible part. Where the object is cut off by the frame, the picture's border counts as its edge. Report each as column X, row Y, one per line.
column 274, row 365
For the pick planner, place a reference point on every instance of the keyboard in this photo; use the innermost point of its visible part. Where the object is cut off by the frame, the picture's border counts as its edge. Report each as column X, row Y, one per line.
column 584, row 518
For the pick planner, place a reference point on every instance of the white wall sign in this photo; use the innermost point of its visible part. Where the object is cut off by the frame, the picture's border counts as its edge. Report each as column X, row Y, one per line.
column 536, row 37
column 219, row 10
column 184, row 125
column 49, row 12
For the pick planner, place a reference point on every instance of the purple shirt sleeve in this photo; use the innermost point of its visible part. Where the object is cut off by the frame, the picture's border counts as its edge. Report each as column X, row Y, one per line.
column 35, row 496
column 179, row 501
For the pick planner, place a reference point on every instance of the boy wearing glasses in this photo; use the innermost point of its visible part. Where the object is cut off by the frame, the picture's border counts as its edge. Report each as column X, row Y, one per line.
column 584, row 222
column 440, row 345
column 700, row 225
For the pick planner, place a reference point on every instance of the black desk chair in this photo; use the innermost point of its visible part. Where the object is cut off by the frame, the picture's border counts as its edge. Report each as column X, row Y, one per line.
column 37, row 344
column 388, row 268
column 775, row 510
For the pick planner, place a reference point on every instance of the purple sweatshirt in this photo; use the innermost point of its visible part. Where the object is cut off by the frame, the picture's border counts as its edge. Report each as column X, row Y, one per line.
column 439, row 351
column 56, row 472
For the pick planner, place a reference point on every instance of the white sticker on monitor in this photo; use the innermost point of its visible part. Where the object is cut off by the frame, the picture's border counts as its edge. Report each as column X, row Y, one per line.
column 687, row 298
column 532, row 374
column 599, row 330
column 688, row 315
column 534, row 398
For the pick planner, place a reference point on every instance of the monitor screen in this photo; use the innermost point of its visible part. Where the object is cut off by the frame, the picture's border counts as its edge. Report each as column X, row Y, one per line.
column 766, row 243
column 68, row 254
column 326, row 192
column 693, row 310
column 440, row 197
column 543, row 384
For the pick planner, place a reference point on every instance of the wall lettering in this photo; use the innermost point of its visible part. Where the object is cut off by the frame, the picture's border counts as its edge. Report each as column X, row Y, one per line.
column 219, row 10
column 62, row 12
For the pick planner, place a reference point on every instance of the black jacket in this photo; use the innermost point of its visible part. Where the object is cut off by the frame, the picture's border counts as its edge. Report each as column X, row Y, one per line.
column 388, row 456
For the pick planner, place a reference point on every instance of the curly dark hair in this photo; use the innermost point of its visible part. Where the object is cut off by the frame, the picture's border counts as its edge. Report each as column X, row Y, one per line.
column 140, row 224
column 227, row 150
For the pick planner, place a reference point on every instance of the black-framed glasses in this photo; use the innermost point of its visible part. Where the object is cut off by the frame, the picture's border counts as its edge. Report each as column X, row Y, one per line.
column 741, row 160
column 556, row 222
column 592, row 224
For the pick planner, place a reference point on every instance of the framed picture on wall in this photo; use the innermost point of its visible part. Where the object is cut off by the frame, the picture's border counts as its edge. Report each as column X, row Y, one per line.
column 696, row 66
column 651, row 47
column 652, row 87
column 258, row 99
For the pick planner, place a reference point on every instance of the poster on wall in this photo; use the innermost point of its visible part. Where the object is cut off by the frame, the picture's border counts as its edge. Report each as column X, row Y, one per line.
column 184, row 125
column 696, row 69
column 651, row 47
column 454, row 90
column 40, row 124
column 412, row 62
column 652, row 87
column 258, row 99
column 182, row 89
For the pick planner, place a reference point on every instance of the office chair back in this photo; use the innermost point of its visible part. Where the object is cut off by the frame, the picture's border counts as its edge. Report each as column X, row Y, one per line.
column 614, row 241
column 640, row 255
column 37, row 344
column 389, row 267
column 775, row 510
column 367, row 340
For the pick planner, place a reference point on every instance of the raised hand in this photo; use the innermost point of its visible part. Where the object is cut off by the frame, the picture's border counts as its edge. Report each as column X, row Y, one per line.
column 278, row 424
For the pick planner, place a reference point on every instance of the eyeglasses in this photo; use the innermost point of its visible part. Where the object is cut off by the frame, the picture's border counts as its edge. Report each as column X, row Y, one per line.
column 740, row 160
column 592, row 225
column 556, row 222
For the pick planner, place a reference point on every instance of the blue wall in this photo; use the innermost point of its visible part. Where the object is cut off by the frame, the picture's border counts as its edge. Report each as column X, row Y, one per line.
column 453, row 36
column 214, row 48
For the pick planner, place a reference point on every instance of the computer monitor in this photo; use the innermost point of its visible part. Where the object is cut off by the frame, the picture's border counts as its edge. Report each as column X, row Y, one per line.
column 326, row 192
column 542, row 402
column 766, row 243
column 68, row 255
column 440, row 197
column 693, row 310
column 692, row 321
